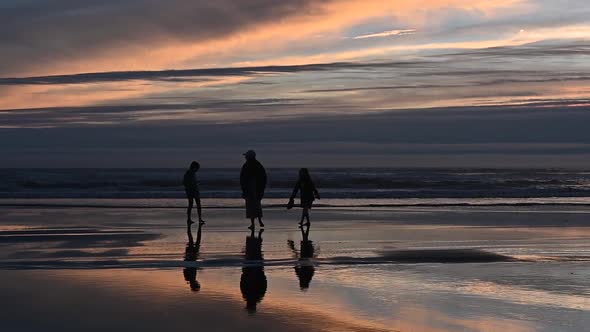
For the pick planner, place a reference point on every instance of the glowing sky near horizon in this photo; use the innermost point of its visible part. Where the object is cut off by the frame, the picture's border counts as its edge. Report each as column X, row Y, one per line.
column 71, row 64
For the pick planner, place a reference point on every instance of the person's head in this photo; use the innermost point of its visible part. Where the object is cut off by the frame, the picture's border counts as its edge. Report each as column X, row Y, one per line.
column 190, row 276
column 304, row 282
column 250, row 155
column 195, row 285
column 251, row 307
column 304, row 174
column 195, row 166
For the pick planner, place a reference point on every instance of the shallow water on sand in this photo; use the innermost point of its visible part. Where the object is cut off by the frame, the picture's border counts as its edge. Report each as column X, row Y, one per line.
column 420, row 269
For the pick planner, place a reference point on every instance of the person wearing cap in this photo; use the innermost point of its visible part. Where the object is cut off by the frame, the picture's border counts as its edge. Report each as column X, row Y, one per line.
column 191, row 188
column 253, row 183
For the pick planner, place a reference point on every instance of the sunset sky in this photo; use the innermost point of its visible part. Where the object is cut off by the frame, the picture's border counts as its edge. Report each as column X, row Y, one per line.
column 441, row 83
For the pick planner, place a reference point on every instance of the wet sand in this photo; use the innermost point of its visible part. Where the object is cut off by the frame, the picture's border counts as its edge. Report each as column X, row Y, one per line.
column 361, row 269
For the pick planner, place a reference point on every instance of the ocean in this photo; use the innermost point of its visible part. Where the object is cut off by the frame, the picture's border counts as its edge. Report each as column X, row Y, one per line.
column 338, row 186
column 362, row 183
column 387, row 250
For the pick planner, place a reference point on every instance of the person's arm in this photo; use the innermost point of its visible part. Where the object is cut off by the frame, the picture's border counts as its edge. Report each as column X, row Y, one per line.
column 263, row 178
column 243, row 181
column 315, row 191
column 262, row 181
column 295, row 190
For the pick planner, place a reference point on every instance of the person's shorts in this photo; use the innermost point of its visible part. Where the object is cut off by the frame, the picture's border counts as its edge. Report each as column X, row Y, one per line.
column 192, row 193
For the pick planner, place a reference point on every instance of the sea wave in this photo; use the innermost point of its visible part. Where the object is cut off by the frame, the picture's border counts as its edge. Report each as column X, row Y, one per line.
column 333, row 183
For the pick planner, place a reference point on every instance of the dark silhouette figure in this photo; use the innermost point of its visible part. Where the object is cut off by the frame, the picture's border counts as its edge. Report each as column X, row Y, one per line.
column 253, row 281
column 304, row 268
column 308, row 194
column 253, row 183
column 191, row 188
column 191, row 254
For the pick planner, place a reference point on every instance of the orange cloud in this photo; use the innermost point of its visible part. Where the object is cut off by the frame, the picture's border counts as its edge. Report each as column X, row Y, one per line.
column 327, row 20
column 33, row 96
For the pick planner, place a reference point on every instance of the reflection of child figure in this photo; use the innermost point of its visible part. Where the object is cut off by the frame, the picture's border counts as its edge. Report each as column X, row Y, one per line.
column 308, row 194
column 191, row 254
column 190, row 276
column 190, row 273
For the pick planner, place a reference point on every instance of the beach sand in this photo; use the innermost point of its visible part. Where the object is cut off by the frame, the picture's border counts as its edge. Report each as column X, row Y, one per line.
column 371, row 269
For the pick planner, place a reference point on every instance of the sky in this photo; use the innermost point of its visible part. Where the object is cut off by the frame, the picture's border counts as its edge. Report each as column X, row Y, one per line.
column 337, row 83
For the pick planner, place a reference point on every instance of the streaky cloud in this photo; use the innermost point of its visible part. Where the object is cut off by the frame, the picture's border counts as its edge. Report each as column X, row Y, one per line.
column 163, row 75
column 536, row 49
column 436, row 86
column 389, row 33
column 270, row 111
column 531, row 50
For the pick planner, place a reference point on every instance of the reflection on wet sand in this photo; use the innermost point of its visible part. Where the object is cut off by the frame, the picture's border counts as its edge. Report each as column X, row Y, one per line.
column 361, row 285
column 304, row 268
column 253, row 282
column 154, row 300
column 191, row 254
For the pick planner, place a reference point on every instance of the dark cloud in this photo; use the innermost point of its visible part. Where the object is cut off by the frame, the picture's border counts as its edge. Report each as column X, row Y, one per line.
column 270, row 111
column 113, row 109
column 161, row 75
column 257, row 110
column 518, row 134
column 117, row 114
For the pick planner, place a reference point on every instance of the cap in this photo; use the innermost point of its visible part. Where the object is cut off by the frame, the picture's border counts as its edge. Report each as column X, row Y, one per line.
column 250, row 154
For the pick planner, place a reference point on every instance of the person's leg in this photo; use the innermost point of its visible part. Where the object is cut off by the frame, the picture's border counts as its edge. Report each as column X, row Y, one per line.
column 302, row 216
column 252, row 223
column 306, row 237
column 189, row 209
column 306, row 213
column 260, row 212
column 198, row 201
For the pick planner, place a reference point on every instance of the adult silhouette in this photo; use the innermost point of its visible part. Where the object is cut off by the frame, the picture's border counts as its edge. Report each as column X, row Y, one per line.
column 253, row 183
column 253, row 282
column 191, row 254
column 304, row 268
column 191, row 188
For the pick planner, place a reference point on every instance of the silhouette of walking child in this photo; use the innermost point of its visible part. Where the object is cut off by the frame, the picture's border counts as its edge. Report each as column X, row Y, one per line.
column 191, row 188
column 308, row 194
column 253, row 183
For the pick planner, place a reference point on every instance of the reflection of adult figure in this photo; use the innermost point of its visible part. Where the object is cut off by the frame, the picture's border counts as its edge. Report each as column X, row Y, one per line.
column 253, row 183
column 304, row 268
column 253, row 281
column 191, row 254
